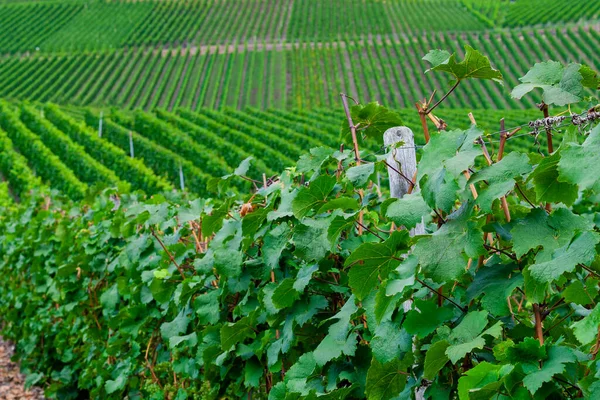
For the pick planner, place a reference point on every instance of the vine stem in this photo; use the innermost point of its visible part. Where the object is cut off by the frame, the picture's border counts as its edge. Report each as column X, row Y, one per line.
column 168, row 253
column 539, row 332
column 356, row 152
column 442, row 295
column 444, row 97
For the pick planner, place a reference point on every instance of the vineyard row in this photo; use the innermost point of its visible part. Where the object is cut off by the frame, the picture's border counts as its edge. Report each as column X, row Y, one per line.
column 61, row 148
column 100, row 25
column 298, row 76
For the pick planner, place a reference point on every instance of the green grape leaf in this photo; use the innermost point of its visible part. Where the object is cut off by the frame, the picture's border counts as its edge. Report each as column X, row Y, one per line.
column 547, row 184
column 285, row 294
column 313, row 196
column 408, row 211
column 561, row 85
column 528, row 351
column 275, row 241
column 314, row 159
column 389, row 342
column 234, row 333
column 310, row 238
column 386, row 381
column 475, row 65
column 551, row 232
column 439, row 190
column 578, row 164
column 371, row 120
column 511, row 166
column 429, row 317
column 372, row 260
column 253, row 371
column 482, row 381
column 444, row 255
column 359, row 175
column 337, row 341
column 581, row 250
column 435, row 359
column 468, row 335
column 176, row 327
column 207, row 307
column 586, row 330
column 496, row 282
column 577, row 293
column 558, row 356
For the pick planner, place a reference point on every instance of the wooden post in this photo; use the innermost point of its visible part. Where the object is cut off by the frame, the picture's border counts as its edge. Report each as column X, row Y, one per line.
column 100, row 124
column 181, row 180
column 131, row 144
column 403, row 159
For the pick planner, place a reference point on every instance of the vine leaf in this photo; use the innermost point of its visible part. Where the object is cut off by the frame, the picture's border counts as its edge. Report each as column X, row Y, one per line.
column 337, row 341
column 373, row 260
column 496, row 282
column 549, row 231
column 535, row 376
column 408, row 211
column 468, row 335
column 233, row 333
column 484, row 381
column 548, row 185
column 581, row 250
column 314, row 195
column 423, row 322
column 372, row 120
column 586, row 330
column 500, row 178
column 435, row 359
column 561, row 85
column 386, row 381
column 579, row 165
column 475, row 65
column 443, row 255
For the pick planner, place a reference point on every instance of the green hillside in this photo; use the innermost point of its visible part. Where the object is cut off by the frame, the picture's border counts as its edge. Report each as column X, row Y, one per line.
column 62, row 147
column 301, row 75
column 275, row 54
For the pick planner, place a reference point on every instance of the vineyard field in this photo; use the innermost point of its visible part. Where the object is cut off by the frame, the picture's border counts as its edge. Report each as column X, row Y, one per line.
column 206, row 144
column 299, row 199
column 296, row 76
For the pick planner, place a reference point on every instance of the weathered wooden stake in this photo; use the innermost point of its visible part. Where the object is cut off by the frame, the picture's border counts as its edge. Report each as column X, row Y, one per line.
column 100, row 124
column 131, row 144
column 404, row 159
column 181, row 180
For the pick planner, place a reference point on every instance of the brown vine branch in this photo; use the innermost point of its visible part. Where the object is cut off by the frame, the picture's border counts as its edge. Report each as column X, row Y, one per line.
column 355, row 143
column 463, row 309
column 168, row 253
column 410, row 181
column 444, row 97
column 538, row 324
column 361, row 225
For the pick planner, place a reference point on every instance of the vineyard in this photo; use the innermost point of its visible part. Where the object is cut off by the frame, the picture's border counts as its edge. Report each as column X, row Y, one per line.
column 63, row 147
column 285, row 76
column 299, row 199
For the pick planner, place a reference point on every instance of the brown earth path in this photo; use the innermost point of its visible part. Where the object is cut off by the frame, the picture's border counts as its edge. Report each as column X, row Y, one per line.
column 11, row 379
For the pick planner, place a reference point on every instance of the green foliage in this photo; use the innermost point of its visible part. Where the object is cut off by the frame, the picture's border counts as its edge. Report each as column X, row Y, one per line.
column 308, row 287
column 474, row 66
column 561, row 85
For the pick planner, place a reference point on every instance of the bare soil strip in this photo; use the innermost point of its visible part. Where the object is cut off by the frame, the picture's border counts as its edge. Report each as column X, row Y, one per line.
column 11, row 380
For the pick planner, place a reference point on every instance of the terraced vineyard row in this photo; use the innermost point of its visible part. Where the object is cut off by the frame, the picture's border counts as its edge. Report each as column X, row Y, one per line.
column 299, row 76
column 60, row 26
column 61, row 147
